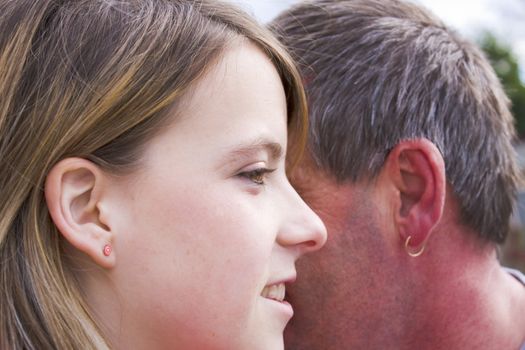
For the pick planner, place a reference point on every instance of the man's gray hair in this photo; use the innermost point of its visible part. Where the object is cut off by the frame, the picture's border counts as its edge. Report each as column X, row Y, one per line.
column 381, row 71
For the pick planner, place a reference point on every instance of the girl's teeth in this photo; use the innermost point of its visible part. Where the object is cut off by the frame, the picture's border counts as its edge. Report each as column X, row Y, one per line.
column 275, row 292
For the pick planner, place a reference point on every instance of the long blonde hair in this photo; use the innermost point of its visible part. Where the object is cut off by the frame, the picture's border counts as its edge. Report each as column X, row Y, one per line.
column 92, row 79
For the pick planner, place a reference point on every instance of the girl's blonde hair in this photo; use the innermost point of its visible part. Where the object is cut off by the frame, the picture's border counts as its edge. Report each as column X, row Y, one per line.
column 92, row 79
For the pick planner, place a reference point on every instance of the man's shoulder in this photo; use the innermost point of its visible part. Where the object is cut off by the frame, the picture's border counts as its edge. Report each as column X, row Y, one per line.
column 516, row 274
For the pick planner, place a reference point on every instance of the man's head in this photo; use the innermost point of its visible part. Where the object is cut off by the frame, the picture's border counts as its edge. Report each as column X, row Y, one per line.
column 410, row 135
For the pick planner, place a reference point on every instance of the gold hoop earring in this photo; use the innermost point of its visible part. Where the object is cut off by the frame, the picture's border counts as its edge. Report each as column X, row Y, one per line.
column 413, row 254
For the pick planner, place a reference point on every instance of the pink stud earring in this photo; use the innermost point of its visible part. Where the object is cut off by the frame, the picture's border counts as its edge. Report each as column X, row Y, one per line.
column 107, row 250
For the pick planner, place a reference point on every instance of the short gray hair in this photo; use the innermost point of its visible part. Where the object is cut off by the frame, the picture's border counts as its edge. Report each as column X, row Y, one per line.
column 381, row 71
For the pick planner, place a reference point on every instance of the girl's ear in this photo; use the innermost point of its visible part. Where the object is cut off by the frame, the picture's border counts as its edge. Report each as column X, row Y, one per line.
column 74, row 192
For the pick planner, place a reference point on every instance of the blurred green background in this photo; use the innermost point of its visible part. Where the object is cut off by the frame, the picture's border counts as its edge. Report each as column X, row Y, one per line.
column 507, row 68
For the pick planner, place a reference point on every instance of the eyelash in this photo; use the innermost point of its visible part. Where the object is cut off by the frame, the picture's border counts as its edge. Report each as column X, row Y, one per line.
column 257, row 176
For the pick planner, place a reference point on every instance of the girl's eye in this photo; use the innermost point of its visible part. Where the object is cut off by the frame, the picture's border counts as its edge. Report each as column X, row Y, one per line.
column 257, row 176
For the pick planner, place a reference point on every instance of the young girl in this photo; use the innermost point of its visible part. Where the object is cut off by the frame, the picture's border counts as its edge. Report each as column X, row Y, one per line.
column 145, row 203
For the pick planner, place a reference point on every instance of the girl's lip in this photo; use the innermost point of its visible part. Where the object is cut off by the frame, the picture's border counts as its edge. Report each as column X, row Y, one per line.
column 283, row 307
column 289, row 279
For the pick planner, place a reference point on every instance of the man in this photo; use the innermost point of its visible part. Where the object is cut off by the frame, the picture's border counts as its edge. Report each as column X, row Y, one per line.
column 411, row 167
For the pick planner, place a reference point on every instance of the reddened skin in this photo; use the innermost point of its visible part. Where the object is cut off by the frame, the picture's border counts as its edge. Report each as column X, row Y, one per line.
column 416, row 169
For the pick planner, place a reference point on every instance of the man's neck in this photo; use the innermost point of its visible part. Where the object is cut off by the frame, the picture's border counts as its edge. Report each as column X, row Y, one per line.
column 468, row 300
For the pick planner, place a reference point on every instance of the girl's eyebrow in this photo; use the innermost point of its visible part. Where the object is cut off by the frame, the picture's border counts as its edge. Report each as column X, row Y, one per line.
column 246, row 150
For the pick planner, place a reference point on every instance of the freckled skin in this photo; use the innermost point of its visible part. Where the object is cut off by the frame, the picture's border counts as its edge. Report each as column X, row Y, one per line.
column 198, row 233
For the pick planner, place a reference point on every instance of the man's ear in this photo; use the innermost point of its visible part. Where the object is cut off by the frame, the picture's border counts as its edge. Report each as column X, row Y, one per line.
column 417, row 170
column 74, row 192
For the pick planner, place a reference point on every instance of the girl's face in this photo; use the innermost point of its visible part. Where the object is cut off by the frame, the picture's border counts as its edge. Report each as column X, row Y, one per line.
column 207, row 232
